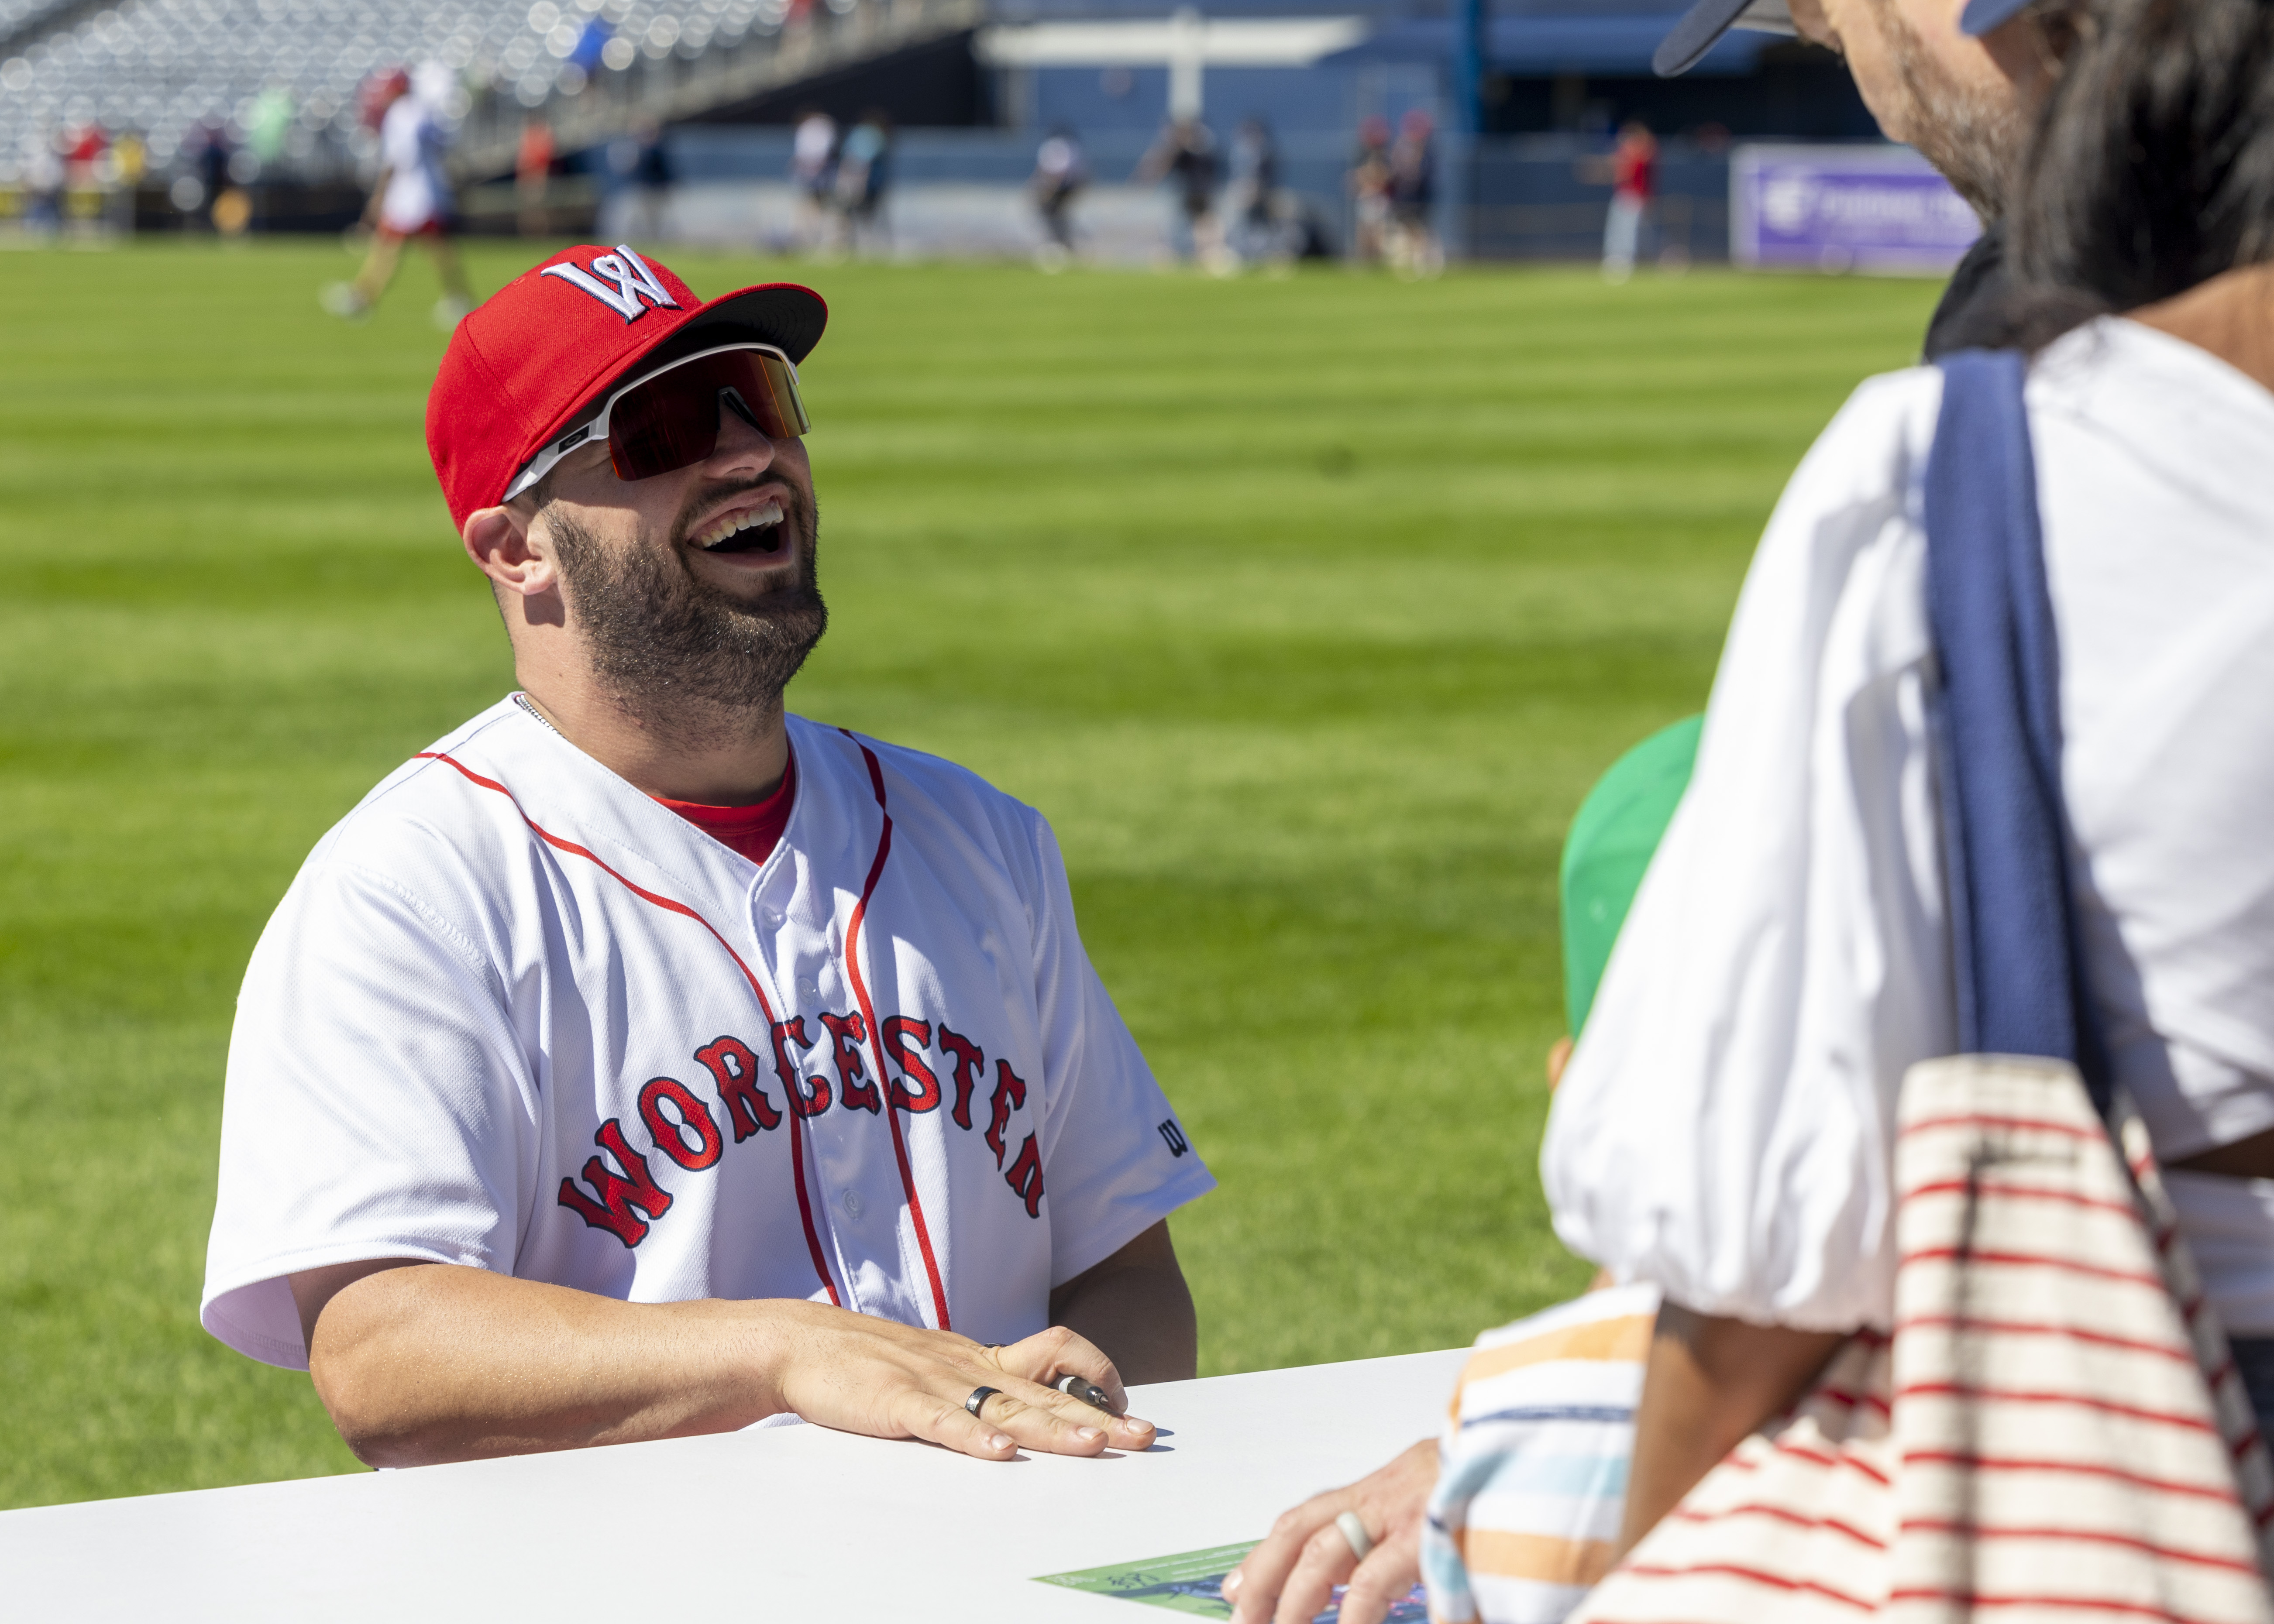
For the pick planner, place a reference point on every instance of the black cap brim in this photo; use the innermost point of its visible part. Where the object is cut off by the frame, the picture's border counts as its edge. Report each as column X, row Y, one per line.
column 1981, row 16
column 1702, row 26
column 781, row 314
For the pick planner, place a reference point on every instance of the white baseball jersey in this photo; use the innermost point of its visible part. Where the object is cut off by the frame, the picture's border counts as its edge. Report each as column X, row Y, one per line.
column 514, row 1014
column 410, row 144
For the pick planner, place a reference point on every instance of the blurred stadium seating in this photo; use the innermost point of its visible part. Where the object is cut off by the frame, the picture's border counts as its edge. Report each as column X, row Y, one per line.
column 175, row 69
column 265, row 93
column 21, row 17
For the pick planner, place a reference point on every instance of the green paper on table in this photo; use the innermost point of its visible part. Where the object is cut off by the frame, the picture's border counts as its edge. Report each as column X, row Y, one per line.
column 1614, row 834
column 1191, row 1582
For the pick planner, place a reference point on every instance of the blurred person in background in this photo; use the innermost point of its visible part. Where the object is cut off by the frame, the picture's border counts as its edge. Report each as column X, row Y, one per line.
column 82, row 147
column 271, row 126
column 1185, row 155
column 1060, row 173
column 1369, row 189
column 232, row 212
column 412, row 199
column 591, row 50
column 1964, row 102
column 640, row 174
column 1632, row 170
column 43, row 186
column 532, row 175
column 212, row 162
column 1255, row 185
column 116, row 175
column 813, row 172
column 863, row 175
column 129, row 158
column 1414, row 247
column 1734, row 1045
column 653, row 178
column 83, row 151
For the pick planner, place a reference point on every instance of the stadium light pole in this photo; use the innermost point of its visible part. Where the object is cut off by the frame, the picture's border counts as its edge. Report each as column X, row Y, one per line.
column 1464, row 124
column 1468, row 67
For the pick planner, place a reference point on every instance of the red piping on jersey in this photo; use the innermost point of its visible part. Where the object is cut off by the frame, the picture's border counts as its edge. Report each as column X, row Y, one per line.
column 797, row 1143
column 876, row 1032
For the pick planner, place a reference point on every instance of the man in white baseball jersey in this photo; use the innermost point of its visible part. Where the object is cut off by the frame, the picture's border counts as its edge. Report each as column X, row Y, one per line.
column 640, row 1061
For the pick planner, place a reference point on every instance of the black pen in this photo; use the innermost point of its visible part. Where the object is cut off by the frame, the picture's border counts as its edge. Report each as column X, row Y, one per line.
column 1088, row 1392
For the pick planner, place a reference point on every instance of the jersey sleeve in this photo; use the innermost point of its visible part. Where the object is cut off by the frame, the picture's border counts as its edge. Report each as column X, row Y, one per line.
column 1725, row 1129
column 1115, row 1158
column 376, row 1106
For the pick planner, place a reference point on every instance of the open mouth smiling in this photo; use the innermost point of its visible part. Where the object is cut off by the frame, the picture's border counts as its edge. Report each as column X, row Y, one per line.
column 747, row 529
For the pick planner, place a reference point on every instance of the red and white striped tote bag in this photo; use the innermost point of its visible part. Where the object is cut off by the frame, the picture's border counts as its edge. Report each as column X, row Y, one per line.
column 2054, row 1435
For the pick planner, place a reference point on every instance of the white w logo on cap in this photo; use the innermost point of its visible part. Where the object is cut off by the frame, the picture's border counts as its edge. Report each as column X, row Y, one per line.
column 633, row 279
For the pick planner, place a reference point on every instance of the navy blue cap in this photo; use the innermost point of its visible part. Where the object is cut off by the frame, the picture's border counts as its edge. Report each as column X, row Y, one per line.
column 1706, row 22
column 1981, row 16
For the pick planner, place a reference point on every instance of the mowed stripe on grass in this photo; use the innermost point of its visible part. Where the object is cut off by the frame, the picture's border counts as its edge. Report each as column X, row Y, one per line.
column 1306, row 610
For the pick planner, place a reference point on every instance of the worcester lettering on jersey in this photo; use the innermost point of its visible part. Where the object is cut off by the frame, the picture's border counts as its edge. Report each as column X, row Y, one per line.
column 624, row 1197
column 517, row 1015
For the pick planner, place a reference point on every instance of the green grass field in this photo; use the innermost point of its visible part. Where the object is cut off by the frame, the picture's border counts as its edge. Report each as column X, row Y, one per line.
column 1306, row 610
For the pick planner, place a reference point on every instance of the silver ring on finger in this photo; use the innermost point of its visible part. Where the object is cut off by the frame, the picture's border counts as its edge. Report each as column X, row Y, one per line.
column 978, row 1400
column 1353, row 1529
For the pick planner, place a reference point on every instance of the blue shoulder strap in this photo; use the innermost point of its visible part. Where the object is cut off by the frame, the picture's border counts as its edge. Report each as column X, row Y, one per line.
column 2015, row 948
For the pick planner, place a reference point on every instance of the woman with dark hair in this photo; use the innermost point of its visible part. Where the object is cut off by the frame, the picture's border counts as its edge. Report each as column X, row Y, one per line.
column 1724, row 1131
column 2151, row 175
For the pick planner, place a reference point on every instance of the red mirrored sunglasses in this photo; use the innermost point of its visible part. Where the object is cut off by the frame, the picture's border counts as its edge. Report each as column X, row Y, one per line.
column 668, row 418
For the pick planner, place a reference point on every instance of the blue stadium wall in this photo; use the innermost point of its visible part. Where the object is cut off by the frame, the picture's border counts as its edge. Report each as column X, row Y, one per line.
column 1559, row 83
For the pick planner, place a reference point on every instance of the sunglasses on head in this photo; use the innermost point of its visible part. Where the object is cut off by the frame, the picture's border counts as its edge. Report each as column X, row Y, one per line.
column 668, row 418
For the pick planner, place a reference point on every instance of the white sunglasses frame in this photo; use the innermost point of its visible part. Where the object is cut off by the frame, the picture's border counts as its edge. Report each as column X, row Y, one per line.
column 595, row 429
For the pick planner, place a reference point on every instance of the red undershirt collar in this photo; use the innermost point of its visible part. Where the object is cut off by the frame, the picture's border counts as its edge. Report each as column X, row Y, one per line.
column 753, row 830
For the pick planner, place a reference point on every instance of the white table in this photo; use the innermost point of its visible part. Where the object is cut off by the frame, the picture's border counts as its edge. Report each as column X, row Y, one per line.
column 791, row 1523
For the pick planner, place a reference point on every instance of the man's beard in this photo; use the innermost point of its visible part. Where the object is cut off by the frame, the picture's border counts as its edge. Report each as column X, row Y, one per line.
column 688, row 660
column 1972, row 136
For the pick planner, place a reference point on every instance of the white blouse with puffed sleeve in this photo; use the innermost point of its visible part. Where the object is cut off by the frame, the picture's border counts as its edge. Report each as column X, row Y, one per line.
column 1724, row 1129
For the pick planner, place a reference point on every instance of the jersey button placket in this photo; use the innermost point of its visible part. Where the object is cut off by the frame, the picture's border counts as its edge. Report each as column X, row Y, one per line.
column 852, row 1151
column 795, row 994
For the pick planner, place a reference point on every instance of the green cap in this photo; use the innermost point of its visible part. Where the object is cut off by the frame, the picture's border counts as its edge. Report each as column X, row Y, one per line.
column 1618, row 826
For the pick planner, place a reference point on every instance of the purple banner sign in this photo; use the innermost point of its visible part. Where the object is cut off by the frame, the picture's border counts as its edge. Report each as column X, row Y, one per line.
column 1845, row 208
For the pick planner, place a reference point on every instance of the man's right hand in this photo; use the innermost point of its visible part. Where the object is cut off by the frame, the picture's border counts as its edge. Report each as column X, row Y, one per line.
column 422, row 1362
column 860, row 1375
column 1290, row 1576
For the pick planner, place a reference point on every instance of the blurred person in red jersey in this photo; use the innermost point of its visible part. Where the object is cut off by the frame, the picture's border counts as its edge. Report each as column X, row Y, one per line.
column 1633, row 167
column 532, row 175
column 83, row 150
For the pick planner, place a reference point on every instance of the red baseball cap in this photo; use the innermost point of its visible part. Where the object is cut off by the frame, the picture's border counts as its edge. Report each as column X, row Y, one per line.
column 550, row 345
